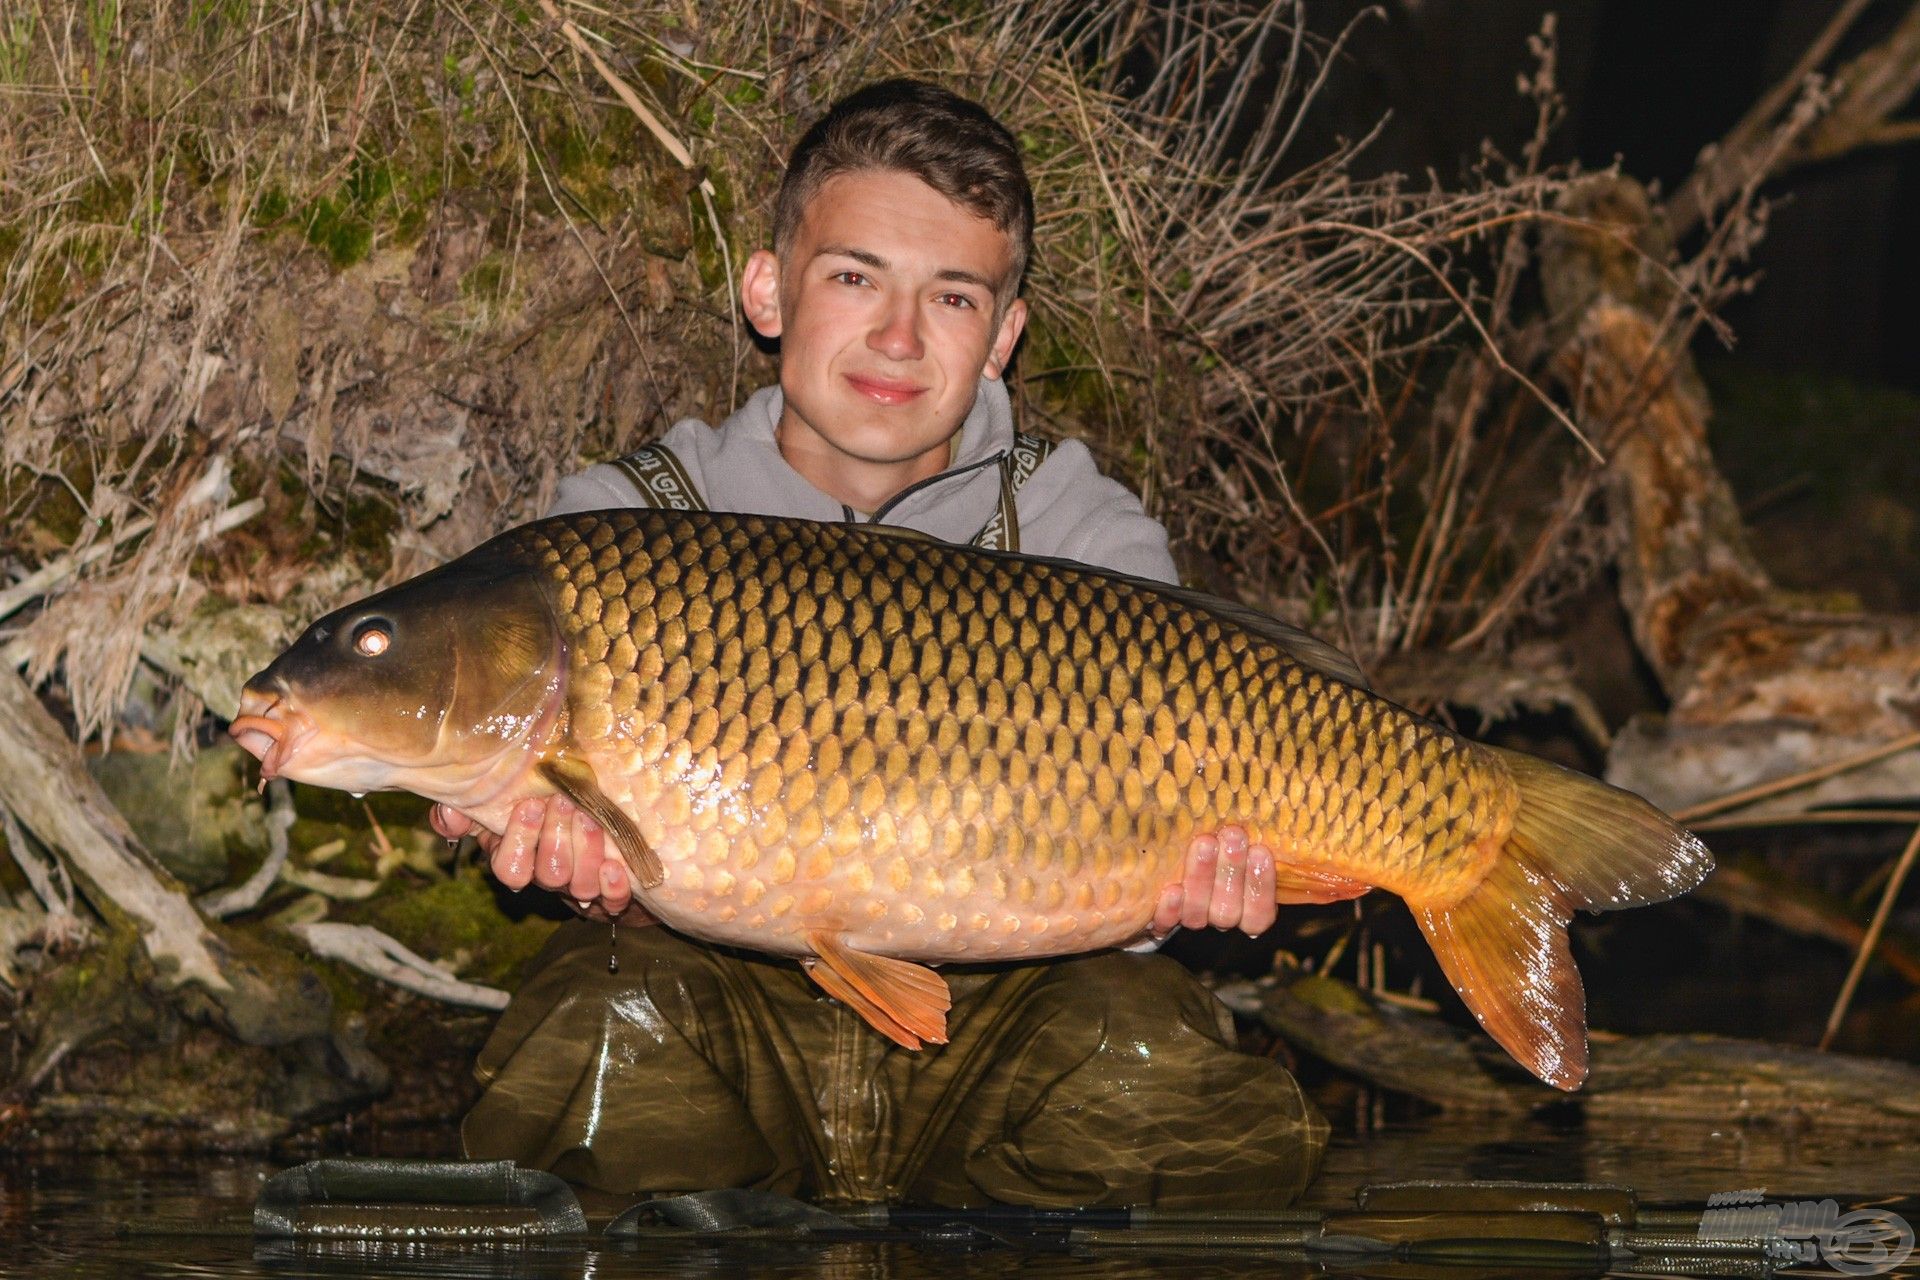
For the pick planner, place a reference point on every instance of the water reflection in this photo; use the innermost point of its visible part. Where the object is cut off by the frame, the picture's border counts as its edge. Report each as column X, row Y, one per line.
column 189, row 1216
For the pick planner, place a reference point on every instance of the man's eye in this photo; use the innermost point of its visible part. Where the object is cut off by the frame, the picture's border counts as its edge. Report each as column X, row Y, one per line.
column 849, row 277
column 956, row 300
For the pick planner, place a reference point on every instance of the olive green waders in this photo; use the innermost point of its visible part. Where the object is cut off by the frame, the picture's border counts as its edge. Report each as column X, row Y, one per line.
column 1107, row 1079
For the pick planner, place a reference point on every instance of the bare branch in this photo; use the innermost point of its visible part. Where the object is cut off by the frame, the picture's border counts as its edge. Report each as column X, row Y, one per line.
column 371, row 951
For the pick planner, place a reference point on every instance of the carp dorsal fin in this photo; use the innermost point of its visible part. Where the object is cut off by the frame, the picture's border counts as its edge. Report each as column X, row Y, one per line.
column 1302, row 646
column 905, row 1002
column 574, row 779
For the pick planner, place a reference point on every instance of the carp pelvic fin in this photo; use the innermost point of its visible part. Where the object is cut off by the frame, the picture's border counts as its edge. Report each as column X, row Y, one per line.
column 905, row 1002
column 1296, row 884
column 1576, row 844
column 574, row 779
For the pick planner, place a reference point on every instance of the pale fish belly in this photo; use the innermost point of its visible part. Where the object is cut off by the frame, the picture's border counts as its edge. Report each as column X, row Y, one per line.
column 958, row 888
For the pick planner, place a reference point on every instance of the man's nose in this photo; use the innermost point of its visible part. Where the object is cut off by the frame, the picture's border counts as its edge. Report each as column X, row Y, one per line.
column 896, row 333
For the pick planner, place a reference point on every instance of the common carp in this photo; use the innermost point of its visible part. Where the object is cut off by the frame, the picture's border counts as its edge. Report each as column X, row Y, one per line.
column 874, row 751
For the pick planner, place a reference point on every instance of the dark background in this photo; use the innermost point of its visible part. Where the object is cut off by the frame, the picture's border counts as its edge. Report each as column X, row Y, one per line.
column 1651, row 82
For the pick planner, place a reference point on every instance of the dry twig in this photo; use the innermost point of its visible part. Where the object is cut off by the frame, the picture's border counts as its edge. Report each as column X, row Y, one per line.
column 1872, row 938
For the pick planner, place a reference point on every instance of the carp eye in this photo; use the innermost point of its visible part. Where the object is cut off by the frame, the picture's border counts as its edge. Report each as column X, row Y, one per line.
column 371, row 639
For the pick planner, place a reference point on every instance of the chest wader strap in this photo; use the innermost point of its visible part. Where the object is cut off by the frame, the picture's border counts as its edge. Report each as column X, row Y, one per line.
column 1002, row 532
column 661, row 478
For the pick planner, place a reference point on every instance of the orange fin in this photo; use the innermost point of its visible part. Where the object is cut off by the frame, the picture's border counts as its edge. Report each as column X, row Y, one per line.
column 1296, row 885
column 575, row 780
column 1606, row 848
column 903, row 1001
column 1504, row 948
column 1576, row 843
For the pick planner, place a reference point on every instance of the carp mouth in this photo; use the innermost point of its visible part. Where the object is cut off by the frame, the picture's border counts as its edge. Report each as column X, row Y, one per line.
column 271, row 731
column 319, row 746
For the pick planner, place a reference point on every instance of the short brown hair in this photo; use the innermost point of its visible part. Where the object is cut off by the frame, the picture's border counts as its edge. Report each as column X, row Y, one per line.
column 909, row 126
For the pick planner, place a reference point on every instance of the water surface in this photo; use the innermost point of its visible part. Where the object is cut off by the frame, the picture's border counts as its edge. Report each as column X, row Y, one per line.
column 100, row 1216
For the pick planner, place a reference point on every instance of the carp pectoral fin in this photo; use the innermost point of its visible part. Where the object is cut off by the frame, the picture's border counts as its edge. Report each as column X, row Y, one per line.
column 1295, row 886
column 903, row 1001
column 574, row 779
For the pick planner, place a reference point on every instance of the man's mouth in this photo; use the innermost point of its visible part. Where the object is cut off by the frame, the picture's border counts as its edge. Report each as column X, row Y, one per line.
column 884, row 390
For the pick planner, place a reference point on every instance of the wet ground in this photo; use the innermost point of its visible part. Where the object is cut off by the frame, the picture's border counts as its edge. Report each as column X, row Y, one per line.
column 189, row 1216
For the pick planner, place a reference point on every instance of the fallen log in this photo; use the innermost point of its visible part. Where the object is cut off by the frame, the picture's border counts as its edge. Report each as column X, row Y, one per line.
column 1691, row 1078
column 262, row 997
column 1762, row 682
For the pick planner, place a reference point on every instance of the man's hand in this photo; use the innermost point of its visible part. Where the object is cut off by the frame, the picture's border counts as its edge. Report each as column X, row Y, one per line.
column 1228, row 885
column 553, row 844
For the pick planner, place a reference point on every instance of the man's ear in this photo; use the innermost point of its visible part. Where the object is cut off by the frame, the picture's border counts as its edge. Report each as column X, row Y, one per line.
column 760, row 292
column 1008, row 337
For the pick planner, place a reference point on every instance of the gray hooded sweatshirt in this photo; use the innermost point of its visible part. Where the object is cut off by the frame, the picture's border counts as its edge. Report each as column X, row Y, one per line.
column 1065, row 508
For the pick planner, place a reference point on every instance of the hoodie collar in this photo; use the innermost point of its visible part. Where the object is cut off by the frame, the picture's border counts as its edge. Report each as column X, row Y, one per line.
column 953, row 505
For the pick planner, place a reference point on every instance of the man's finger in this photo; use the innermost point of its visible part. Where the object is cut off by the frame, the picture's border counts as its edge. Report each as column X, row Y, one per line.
column 1229, row 882
column 588, row 854
column 1203, row 856
column 1166, row 912
column 553, row 862
column 449, row 822
column 513, row 854
column 1260, row 910
column 616, row 892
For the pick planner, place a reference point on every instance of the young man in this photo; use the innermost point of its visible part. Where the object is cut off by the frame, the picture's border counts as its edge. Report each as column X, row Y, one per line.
column 902, row 229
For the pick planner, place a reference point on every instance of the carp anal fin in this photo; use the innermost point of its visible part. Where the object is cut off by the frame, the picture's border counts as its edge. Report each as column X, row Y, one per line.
column 1576, row 844
column 905, row 1002
column 574, row 779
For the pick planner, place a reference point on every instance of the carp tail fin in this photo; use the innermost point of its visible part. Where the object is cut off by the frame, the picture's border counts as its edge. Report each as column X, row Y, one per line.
column 1576, row 844
column 903, row 1001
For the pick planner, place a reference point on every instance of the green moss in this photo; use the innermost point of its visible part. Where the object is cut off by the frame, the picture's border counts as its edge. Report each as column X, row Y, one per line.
column 344, row 236
column 217, row 20
column 105, row 199
column 461, row 915
column 82, row 981
column 486, row 280
column 349, row 988
column 1329, row 993
column 459, row 81
column 1827, row 474
column 1068, row 375
column 271, row 206
column 666, row 229
column 1838, row 433
column 379, row 199
column 369, row 520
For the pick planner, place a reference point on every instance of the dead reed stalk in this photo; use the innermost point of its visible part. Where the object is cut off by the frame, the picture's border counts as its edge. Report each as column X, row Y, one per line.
column 394, row 268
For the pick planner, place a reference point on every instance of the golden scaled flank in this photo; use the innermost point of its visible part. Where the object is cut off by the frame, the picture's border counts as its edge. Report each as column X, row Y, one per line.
column 809, row 721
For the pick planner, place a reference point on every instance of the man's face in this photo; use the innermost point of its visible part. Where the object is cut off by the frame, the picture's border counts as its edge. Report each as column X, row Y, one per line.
column 884, row 305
